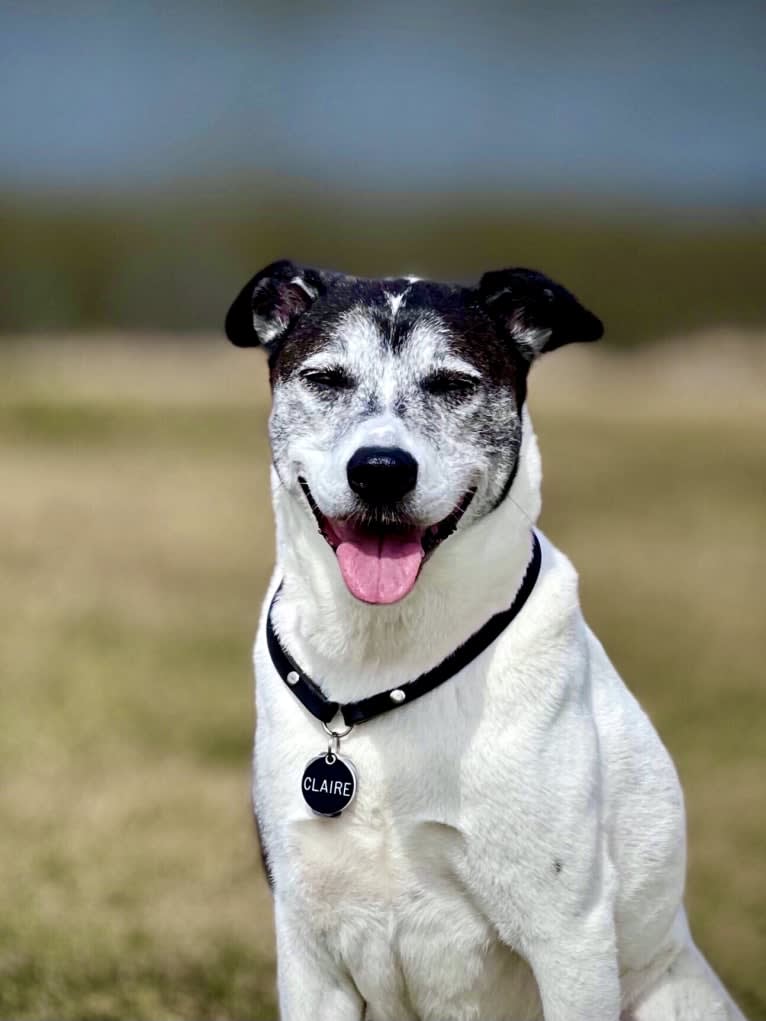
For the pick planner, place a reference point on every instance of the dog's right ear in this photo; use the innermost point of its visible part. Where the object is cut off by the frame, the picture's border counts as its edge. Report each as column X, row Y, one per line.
column 269, row 304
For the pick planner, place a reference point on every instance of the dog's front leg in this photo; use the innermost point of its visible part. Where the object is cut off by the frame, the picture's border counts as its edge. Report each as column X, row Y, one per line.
column 577, row 972
column 311, row 987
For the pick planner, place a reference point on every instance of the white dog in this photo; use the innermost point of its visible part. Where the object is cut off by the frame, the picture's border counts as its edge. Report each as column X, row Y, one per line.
column 500, row 836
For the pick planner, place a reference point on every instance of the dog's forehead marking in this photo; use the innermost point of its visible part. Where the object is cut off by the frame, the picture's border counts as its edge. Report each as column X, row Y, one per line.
column 394, row 298
column 394, row 301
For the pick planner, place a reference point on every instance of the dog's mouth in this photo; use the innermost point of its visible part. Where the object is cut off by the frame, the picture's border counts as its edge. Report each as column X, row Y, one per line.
column 380, row 557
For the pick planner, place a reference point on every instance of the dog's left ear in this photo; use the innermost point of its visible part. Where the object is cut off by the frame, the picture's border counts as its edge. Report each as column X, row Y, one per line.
column 270, row 303
column 537, row 314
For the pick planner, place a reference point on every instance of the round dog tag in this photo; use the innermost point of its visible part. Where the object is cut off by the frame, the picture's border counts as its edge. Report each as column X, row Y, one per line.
column 329, row 784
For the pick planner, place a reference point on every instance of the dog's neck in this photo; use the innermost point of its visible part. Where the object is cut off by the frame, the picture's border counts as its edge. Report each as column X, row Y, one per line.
column 354, row 650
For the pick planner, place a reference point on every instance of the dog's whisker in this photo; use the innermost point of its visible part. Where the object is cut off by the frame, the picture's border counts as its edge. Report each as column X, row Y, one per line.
column 530, row 521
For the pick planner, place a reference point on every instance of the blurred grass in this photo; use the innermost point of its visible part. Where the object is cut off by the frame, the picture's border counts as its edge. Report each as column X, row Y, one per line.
column 177, row 262
column 135, row 543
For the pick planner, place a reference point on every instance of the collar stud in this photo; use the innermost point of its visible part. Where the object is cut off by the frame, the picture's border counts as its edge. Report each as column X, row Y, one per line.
column 397, row 695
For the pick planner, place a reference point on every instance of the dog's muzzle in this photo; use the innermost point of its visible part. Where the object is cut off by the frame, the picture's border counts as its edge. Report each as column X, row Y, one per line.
column 380, row 554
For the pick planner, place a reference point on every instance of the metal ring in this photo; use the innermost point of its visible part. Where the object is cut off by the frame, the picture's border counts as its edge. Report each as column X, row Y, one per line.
column 333, row 748
column 337, row 733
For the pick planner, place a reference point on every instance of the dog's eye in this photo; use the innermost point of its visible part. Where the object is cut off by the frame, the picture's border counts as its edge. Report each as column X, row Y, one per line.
column 450, row 384
column 331, row 378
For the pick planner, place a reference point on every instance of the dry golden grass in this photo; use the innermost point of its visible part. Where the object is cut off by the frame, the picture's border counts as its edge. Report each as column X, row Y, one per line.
column 135, row 542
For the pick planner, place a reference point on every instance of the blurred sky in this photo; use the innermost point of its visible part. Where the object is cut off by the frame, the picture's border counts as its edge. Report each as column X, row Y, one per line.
column 659, row 101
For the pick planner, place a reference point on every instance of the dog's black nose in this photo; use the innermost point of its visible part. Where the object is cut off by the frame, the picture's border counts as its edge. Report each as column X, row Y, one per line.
column 382, row 474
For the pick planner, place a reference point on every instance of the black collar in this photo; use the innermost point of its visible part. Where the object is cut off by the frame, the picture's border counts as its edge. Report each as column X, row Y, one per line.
column 310, row 694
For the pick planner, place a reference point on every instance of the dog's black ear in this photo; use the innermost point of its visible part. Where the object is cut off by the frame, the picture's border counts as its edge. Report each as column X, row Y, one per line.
column 536, row 313
column 269, row 303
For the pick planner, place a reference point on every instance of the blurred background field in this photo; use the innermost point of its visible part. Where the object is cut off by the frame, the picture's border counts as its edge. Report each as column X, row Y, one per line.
column 155, row 156
column 135, row 543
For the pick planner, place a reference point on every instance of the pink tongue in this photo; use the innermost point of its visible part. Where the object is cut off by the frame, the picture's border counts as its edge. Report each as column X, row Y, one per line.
column 379, row 569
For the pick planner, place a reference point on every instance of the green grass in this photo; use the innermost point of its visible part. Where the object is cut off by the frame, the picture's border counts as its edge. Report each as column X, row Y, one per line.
column 135, row 544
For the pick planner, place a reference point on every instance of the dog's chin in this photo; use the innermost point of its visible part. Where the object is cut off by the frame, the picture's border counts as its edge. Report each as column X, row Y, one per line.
column 380, row 556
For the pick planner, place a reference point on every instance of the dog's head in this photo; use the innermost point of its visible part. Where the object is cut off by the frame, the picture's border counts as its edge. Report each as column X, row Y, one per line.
column 396, row 415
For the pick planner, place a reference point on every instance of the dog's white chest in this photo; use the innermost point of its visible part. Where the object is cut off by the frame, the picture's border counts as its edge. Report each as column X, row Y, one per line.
column 390, row 901
column 388, row 888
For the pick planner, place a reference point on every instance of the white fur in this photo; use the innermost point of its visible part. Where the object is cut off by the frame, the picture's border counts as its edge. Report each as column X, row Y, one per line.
column 516, row 848
column 311, row 292
column 394, row 301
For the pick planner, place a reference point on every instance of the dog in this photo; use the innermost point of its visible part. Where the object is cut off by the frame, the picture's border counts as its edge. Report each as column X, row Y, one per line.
column 464, row 813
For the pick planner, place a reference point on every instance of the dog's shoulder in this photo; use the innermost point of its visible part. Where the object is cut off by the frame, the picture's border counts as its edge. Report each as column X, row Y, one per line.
column 551, row 621
column 557, row 588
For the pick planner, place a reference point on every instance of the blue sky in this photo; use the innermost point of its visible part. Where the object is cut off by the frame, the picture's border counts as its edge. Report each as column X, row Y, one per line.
column 655, row 101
